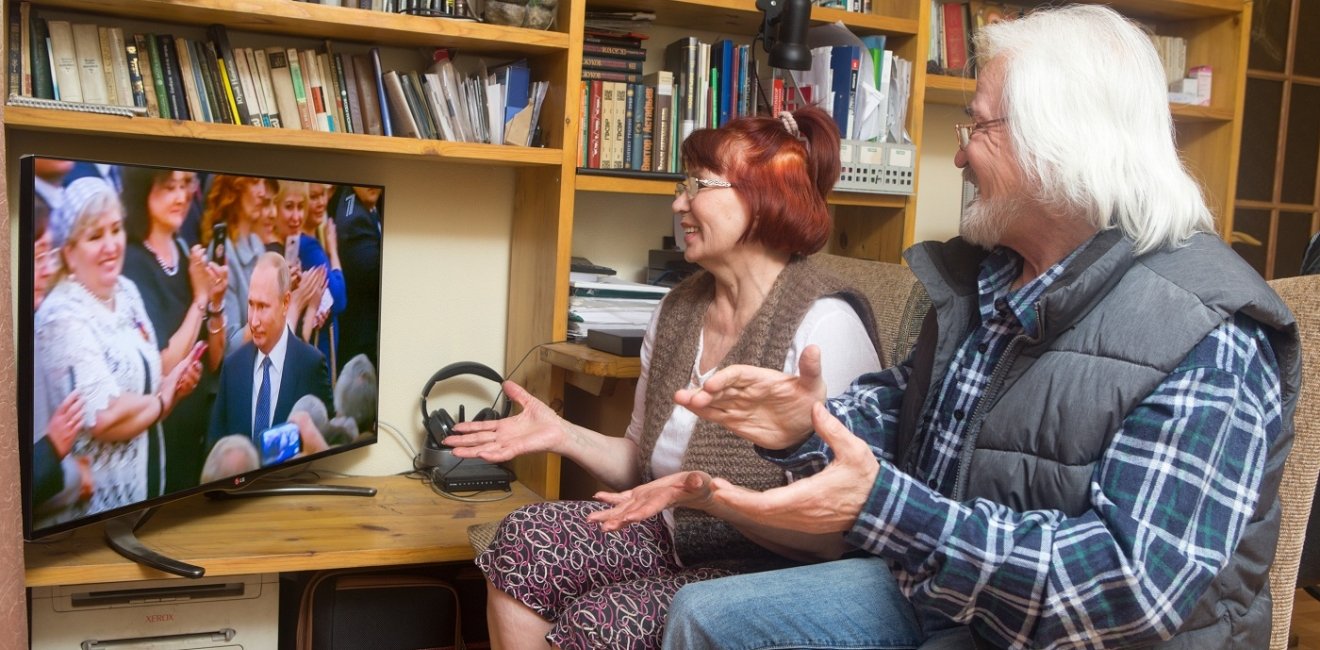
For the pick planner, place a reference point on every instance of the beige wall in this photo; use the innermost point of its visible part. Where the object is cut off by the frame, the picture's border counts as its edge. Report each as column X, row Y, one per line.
column 939, row 183
column 445, row 276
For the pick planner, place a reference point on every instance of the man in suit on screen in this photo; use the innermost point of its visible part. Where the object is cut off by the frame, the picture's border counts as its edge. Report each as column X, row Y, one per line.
column 263, row 378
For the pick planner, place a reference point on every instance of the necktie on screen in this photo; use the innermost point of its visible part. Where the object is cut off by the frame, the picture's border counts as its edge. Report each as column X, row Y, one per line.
column 261, row 420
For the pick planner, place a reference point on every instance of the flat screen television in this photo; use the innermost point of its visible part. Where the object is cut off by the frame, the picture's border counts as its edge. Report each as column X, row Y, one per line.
column 183, row 331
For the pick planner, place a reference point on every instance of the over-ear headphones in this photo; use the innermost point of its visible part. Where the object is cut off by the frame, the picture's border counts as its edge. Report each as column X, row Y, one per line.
column 439, row 424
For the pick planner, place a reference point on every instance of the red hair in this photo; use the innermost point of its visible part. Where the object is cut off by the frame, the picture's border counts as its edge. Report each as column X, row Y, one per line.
column 782, row 178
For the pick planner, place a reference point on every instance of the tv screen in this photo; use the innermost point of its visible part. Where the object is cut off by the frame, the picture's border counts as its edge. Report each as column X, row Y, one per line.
column 187, row 330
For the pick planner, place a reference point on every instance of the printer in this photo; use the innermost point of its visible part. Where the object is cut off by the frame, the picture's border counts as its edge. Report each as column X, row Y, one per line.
column 225, row 612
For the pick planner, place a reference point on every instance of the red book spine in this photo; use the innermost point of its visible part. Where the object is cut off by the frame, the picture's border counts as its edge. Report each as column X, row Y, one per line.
column 955, row 37
column 593, row 151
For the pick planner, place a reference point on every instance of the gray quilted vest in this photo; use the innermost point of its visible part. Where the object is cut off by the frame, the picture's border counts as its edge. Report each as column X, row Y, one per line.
column 1111, row 329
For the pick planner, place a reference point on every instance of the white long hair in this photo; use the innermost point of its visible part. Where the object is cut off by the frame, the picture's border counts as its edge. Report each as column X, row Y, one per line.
column 1087, row 103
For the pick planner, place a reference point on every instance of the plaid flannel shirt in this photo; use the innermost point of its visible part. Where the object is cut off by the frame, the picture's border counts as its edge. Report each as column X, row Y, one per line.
column 1170, row 497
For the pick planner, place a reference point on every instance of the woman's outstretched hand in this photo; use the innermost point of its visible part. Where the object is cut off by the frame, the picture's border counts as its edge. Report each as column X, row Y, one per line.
column 536, row 428
column 766, row 407
column 690, row 489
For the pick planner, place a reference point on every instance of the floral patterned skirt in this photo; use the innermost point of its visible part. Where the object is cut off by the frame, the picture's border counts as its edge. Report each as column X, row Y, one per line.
column 598, row 589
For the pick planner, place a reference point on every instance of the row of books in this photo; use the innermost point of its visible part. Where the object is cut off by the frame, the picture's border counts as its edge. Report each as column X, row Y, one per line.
column 856, row 6
column 953, row 23
column 83, row 65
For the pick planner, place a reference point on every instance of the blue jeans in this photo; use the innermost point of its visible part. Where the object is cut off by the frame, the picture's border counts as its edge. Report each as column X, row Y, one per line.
column 852, row 603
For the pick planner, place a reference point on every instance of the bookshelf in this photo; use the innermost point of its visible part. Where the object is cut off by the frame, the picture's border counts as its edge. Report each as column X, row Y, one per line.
column 542, row 183
column 1217, row 33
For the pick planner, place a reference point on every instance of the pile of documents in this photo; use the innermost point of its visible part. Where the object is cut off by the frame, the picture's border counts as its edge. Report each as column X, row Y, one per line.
column 610, row 303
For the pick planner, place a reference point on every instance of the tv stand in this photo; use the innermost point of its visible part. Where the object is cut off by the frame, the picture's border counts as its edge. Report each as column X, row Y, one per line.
column 406, row 523
column 120, row 534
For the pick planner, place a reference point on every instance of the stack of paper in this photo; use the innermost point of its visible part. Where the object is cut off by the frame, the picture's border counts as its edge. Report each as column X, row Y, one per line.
column 610, row 303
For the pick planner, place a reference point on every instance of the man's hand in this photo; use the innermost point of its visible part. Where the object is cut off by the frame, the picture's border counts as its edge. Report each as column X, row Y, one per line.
column 536, row 428
column 690, row 489
column 767, row 407
column 827, row 502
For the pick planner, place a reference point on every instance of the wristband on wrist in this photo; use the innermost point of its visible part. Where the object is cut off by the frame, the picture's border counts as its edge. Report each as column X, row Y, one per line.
column 161, row 401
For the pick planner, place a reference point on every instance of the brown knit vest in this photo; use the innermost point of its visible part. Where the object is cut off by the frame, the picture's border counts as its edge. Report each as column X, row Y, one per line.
column 698, row 537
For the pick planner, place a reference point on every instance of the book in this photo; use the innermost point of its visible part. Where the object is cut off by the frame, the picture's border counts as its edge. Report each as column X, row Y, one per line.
column 135, row 77
column 281, row 82
column 636, row 116
column 108, row 66
column 163, row 77
column 15, row 69
column 91, row 74
column 440, row 108
column 625, row 130
column 25, row 48
column 612, row 75
column 606, row 121
column 315, row 87
column 65, row 61
column 264, row 89
column 955, row 33
column 648, row 128
column 608, row 63
column 368, row 97
column 119, row 61
column 454, row 96
column 330, row 90
column 616, row 51
column 43, row 79
column 352, row 95
column 145, row 62
column 681, row 59
column 258, row 111
column 421, row 108
column 306, row 117
column 662, row 83
column 584, row 120
column 207, row 61
column 188, row 78
column 386, row 127
column 229, row 69
column 594, row 145
column 400, row 116
column 336, row 73
column 844, row 64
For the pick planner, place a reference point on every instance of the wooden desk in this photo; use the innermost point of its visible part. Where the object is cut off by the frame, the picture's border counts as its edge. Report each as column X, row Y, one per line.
column 405, row 523
column 589, row 369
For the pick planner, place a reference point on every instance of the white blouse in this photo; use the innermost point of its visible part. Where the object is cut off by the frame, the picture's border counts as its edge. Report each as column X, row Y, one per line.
column 103, row 353
column 831, row 324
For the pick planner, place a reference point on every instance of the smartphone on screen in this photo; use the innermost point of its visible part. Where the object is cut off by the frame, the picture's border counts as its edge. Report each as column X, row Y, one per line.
column 291, row 252
column 215, row 251
column 280, row 443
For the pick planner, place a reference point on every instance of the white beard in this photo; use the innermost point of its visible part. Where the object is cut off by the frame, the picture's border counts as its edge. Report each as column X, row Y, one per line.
column 985, row 220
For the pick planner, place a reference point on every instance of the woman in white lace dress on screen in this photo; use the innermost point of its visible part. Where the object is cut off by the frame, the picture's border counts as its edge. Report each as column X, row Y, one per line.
column 94, row 335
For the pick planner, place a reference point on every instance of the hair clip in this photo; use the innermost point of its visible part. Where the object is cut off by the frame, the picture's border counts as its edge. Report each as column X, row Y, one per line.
column 790, row 124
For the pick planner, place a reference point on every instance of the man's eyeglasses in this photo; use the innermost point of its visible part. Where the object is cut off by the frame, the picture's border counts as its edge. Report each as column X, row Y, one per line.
column 965, row 131
column 691, row 185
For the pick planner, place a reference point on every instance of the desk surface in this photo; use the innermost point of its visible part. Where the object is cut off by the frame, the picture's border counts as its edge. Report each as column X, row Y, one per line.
column 405, row 523
column 577, row 357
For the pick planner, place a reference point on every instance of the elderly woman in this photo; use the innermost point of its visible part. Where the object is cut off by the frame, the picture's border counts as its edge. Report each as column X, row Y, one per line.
column 751, row 207
column 184, row 295
column 95, row 336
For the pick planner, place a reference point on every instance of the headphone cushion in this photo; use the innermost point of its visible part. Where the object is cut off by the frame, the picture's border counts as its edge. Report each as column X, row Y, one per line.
column 440, row 425
column 486, row 414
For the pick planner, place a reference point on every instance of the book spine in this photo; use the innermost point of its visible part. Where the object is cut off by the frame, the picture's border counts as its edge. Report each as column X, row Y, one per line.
column 25, row 48
column 616, row 51
column 331, row 87
column 91, row 76
column 626, row 132
column 257, row 109
column 351, row 93
column 204, row 55
column 606, row 63
column 347, row 97
column 65, row 60
column 265, row 88
column 281, row 82
column 635, row 121
column 148, row 75
column 648, row 128
column 385, row 124
column 43, row 80
column 367, row 95
column 108, row 66
column 160, row 77
column 135, row 75
column 598, row 39
column 300, row 90
column 119, row 58
column 611, row 75
column 597, row 100
column 220, row 37
column 15, row 55
column 584, row 120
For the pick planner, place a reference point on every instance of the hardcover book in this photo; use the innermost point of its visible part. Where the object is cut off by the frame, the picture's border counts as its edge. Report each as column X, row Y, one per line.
column 91, row 74
column 230, row 70
column 65, row 60
column 281, row 82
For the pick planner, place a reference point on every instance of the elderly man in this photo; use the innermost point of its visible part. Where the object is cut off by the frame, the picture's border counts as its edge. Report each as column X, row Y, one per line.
column 1084, row 448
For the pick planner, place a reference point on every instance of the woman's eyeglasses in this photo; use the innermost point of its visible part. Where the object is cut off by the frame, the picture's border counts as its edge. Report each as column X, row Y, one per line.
column 966, row 130
column 691, row 185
